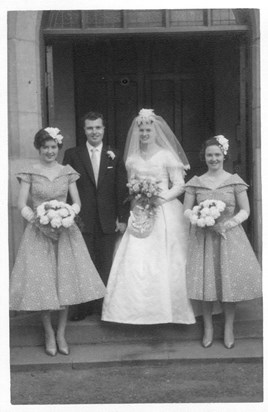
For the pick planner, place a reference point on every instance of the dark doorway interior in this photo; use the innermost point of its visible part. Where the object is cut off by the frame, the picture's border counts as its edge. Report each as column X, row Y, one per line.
column 120, row 76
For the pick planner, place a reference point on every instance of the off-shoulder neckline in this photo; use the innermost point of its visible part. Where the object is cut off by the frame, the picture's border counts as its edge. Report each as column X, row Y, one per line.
column 230, row 180
column 64, row 170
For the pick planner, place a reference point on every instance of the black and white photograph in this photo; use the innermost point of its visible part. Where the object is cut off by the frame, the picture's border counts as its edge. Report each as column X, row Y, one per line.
column 134, row 214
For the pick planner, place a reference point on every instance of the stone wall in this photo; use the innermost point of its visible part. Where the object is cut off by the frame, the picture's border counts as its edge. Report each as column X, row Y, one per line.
column 24, row 105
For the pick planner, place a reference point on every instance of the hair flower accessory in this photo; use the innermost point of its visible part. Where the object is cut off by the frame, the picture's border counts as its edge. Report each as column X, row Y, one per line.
column 223, row 142
column 145, row 115
column 54, row 132
column 110, row 154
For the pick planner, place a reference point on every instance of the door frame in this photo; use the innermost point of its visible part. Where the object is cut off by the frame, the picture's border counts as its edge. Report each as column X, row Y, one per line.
column 252, row 112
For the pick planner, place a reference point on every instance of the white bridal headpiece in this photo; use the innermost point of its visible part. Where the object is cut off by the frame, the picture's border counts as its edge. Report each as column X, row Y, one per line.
column 54, row 132
column 145, row 116
column 165, row 138
column 223, row 143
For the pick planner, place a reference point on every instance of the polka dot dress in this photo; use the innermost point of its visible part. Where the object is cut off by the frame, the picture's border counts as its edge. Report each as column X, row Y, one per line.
column 48, row 275
column 221, row 269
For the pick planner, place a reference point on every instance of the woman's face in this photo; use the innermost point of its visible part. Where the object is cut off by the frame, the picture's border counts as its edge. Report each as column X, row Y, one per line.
column 147, row 133
column 214, row 158
column 49, row 151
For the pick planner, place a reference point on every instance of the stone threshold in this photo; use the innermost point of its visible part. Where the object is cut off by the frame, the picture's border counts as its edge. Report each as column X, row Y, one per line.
column 107, row 354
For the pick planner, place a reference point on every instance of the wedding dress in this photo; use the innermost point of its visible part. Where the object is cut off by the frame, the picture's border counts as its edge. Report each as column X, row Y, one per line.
column 147, row 283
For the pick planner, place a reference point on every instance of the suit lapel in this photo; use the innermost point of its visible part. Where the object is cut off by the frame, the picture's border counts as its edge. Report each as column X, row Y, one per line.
column 84, row 156
column 103, row 164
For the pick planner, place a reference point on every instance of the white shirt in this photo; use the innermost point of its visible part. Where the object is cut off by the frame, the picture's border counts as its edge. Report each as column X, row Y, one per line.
column 98, row 151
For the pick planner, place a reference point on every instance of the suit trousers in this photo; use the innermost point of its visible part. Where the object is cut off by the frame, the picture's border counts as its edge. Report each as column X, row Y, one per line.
column 101, row 248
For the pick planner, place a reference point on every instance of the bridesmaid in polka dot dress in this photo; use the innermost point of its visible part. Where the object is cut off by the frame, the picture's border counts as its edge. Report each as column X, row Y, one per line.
column 51, row 274
column 221, row 264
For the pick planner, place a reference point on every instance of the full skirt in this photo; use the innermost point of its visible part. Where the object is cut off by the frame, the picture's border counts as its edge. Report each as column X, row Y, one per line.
column 147, row 283
column 223, row 269
column 49, row 275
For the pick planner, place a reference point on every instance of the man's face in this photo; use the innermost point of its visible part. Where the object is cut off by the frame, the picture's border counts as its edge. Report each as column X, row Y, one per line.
column 94, row 131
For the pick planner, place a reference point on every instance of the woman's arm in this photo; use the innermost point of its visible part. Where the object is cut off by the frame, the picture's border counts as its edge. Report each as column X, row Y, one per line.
column 25, row 210
column 243, row 202
column 189, row 201
column 73, row 191
column 23, row 194
column 243, row 214
column 176, row 178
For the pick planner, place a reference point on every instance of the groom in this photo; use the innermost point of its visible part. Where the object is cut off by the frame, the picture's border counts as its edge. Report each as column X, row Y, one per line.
column 102, row 189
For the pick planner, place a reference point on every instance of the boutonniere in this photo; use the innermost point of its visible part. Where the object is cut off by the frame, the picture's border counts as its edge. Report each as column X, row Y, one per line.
column 110, row 154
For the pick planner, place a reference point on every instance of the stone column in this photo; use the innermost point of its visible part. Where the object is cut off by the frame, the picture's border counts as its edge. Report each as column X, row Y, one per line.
column 255, row 132
column 24, row 105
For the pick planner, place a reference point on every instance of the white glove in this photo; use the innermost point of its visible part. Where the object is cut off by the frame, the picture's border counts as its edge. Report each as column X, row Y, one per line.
column 240, row 217
column 27, row 213
column 76, row 208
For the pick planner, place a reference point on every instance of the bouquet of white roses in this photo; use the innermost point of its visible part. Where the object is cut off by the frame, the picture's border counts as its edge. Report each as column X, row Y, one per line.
column 53, row 216
column 145, row 195
column 206, row 213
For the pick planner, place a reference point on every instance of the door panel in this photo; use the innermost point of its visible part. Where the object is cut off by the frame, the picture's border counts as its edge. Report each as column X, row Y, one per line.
column 135, row 75
column 126, row 98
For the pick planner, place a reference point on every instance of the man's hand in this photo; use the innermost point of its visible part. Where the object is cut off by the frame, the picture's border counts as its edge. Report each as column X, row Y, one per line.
column 120, row 227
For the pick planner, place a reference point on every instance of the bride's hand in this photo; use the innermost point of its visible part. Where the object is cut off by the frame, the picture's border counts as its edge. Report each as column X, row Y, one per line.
column 160, row 201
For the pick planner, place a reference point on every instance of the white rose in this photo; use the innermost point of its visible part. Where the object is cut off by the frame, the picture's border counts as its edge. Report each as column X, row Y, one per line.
column 62, row 204
column 54, row 204
column 206, row 203
column 193, row 219
column 67, row 221
column 56, row 222
column 51, row 214
column 205, row 212
column 209, row 221
column 63, row 212
column 201, row 222
column 44, row 220
column 40, row 210
column 214, row 212
column 220, row 206
column 195, row 209
column 111, row 154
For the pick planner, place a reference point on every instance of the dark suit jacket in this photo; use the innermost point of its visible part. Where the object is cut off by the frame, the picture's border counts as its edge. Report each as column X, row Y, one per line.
column 106, row 201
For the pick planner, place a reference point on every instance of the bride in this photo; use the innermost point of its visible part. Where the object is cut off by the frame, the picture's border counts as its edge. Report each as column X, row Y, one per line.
column 147, row 283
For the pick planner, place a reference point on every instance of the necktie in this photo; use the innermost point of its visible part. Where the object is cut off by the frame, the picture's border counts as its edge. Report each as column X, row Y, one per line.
column 95, row 166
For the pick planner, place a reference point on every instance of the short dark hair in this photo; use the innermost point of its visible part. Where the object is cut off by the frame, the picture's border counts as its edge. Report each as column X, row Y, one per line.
column 92, row 116
column 212, row 141
column 41, row 137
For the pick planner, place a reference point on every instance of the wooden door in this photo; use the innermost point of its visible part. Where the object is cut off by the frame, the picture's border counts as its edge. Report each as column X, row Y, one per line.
column 119, row 77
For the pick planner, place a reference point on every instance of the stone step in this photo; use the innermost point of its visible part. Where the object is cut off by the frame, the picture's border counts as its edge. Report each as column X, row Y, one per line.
column 26, row 330
column 98, row 355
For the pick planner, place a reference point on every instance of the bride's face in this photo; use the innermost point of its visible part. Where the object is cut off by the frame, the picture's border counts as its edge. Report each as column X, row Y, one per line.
column 147, row 133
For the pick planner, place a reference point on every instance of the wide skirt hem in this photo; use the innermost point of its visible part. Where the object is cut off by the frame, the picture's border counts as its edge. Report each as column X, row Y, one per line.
column 226, row 300
column 158, row 322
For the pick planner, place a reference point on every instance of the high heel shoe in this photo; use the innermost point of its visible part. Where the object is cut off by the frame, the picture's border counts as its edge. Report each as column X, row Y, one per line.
column 206, row 343
column 229, row 345
column 63, row 347
column 229, row 341
column 50, row 346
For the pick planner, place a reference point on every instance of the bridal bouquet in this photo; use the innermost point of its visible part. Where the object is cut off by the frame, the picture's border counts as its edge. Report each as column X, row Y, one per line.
column 53, row 216
column 145, row 194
